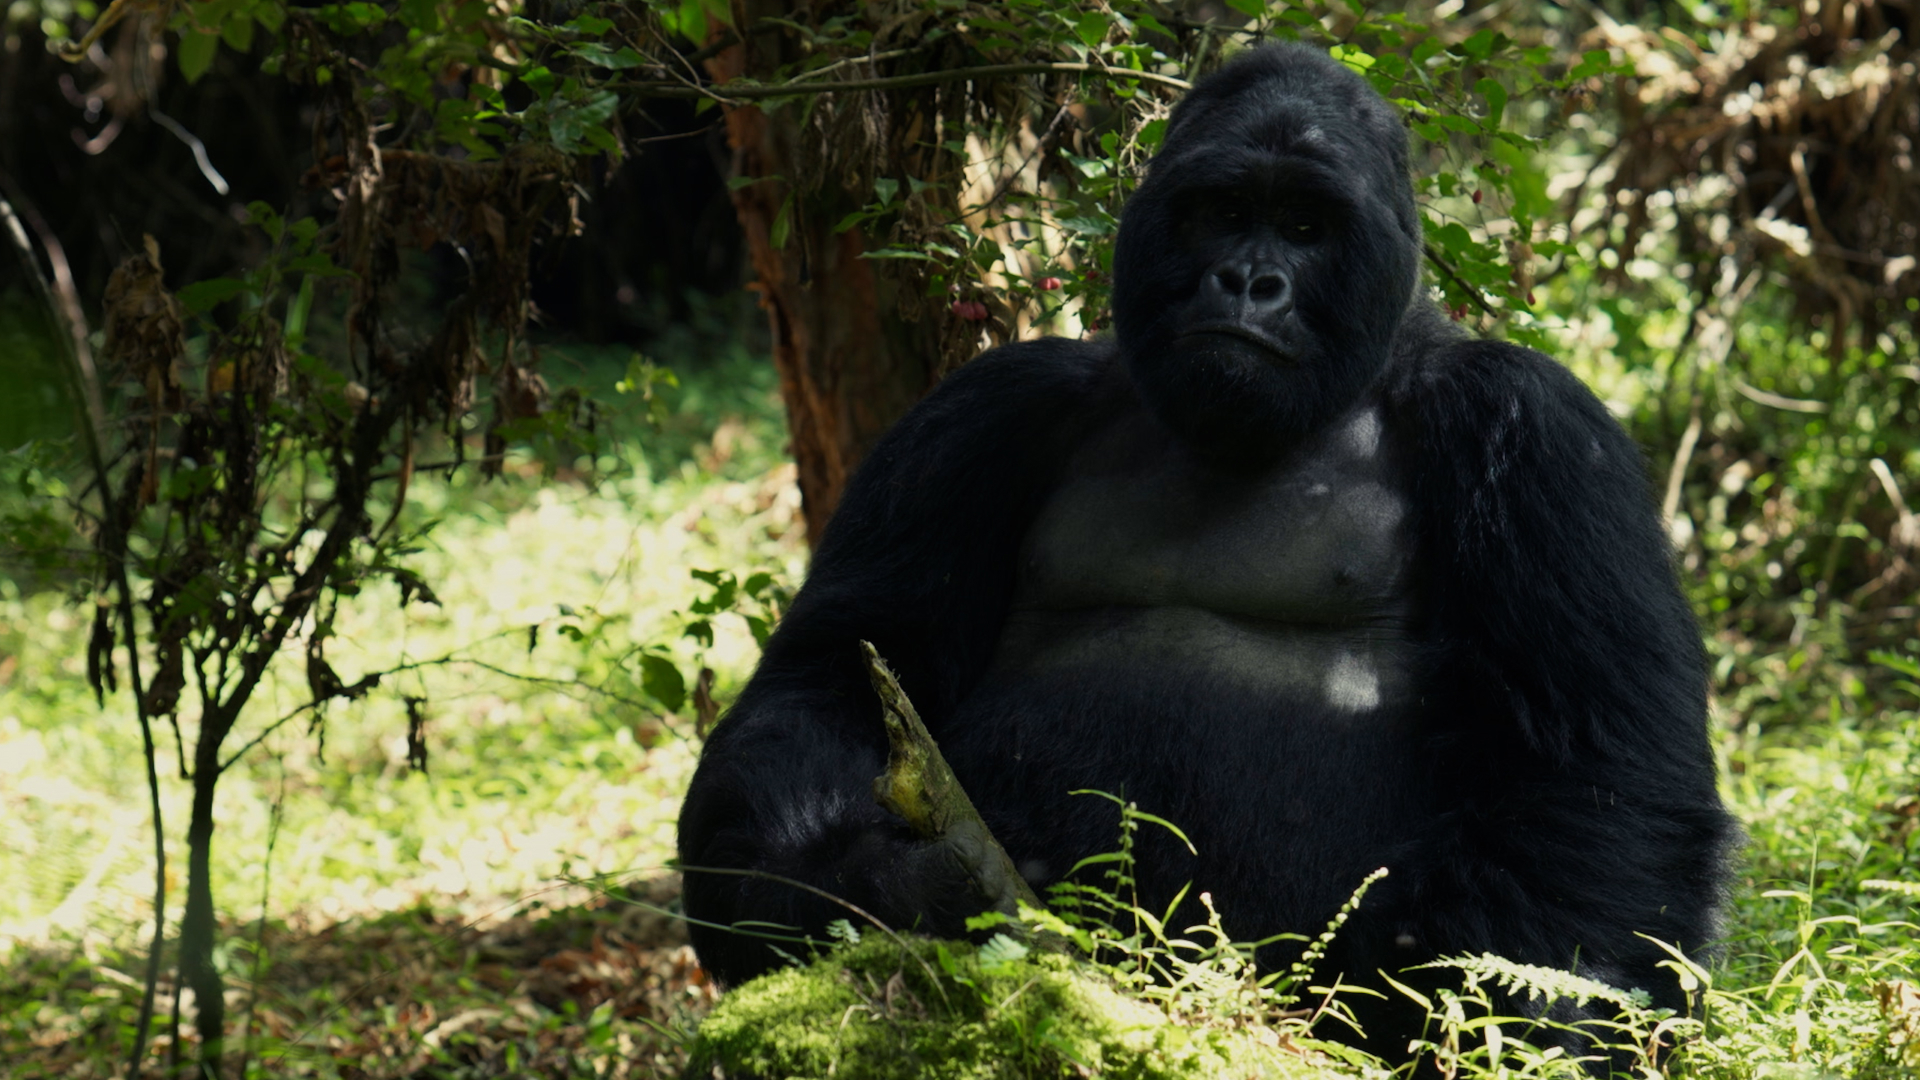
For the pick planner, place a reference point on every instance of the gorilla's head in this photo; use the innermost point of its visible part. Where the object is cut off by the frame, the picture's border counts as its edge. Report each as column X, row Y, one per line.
column 1264, row 266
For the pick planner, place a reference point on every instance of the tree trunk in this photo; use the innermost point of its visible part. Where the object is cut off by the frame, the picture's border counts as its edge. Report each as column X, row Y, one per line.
column 197, row 927
column 849, row 363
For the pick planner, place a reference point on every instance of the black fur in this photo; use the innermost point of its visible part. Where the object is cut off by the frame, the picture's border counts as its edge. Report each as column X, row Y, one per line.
column 1543, row 790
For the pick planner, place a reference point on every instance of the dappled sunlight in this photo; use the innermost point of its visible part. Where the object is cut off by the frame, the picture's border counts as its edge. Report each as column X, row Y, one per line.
column 533, row 777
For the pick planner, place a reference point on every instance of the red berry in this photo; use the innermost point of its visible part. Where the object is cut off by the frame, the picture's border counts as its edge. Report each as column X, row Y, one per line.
column 1047, row 284
column 1476, row 196
column 970, row 310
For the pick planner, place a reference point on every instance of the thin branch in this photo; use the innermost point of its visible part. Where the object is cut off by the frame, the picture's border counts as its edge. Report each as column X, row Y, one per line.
column 758, row 92
column 1453, row 275
column 733, row 871
column 868, row 58
column 85, row 385
column 374, row 678
column 1778, row 401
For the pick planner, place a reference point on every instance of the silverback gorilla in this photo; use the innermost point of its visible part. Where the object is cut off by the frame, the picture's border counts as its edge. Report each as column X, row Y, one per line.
column 1290, row 561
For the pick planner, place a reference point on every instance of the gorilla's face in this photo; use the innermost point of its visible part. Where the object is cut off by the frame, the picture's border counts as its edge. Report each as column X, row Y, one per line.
column 1263, row 268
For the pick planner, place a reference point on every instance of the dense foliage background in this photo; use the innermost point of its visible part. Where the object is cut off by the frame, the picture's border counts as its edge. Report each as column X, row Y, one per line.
column 417, row 413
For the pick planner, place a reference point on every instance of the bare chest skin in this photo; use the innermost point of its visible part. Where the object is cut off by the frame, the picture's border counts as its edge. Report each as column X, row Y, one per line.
column 1294, row 580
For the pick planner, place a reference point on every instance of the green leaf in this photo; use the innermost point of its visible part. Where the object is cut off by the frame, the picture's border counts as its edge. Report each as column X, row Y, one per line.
column 196, row 53
column 1001, row 950
column 1357, row 59
column 539, row 80
column 898, row 253
column 1592, row 62
column 600, row 56
column 266, row 217
column 1478, row 47
column 1496, row 96
column 317, row 264
column 237, row 32
column 1905, row 665
column 1092, row 28
column 885, row 188
column 205, row 295
column 298, row 309
column 1252, row 8
column 662, row 681
column 421, row 15
column 693, row 21
column 782, row 224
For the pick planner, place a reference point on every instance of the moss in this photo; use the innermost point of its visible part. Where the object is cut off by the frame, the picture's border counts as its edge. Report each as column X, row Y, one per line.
column 943, row 1011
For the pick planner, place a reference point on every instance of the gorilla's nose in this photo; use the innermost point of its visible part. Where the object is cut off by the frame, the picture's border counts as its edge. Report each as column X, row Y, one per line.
column 1257, row 288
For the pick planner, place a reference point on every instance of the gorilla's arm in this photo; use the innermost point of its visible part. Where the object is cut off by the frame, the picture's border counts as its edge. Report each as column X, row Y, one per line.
column 1587, row 810
column 918, row 559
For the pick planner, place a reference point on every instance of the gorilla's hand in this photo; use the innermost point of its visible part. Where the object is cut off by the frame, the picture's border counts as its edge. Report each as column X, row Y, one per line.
column 926, row 886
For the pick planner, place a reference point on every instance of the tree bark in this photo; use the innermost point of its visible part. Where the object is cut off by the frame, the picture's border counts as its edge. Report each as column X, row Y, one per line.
column 849, row 363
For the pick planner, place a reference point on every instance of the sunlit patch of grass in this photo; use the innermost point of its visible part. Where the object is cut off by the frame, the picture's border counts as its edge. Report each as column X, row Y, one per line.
column 545, row 761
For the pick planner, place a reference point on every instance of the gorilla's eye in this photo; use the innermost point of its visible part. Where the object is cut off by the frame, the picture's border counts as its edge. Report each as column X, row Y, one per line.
column 1305, row 232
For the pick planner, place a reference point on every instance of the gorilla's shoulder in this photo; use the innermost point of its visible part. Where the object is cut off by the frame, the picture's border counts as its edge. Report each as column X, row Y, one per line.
column 1461, row 381
column 1042, row 366
column 1012, row 386
column 1004, row 401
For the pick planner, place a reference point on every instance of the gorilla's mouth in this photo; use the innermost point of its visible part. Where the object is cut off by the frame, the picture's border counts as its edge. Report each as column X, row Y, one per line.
column 1275, row 350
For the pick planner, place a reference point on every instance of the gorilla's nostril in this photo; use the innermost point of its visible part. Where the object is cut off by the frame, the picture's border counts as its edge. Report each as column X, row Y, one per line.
column 1266, row 287
column 1230, row 281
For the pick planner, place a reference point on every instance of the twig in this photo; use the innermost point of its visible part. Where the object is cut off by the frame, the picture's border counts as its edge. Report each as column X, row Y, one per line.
column 74, row 52
column 372, row 679
column 275, row 815
column 1777, row 401
column 899, row 82
column 736, row 871
column 870, row 58
column 932, row 977
column 200, row 159
column 1453, row 275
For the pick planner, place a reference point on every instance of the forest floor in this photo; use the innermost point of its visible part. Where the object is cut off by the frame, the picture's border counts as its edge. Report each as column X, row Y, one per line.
column 507, row 913
column 504, row 913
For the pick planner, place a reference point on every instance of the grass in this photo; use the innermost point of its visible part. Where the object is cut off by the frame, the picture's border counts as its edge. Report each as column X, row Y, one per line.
column 548, row 768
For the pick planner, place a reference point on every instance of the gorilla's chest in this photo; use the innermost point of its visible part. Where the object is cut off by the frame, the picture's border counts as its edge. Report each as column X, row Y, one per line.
column 1319, row 540
column 1236, row 652
column 1294, row 582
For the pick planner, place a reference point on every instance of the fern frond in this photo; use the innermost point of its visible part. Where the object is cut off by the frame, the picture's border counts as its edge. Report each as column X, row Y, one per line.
column 1537, row 981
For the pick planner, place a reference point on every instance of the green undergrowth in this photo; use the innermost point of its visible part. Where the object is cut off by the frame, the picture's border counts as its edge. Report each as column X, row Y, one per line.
column 919, row 1010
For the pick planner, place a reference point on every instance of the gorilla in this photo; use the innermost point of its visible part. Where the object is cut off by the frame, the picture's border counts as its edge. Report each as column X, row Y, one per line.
column 1291, row 561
